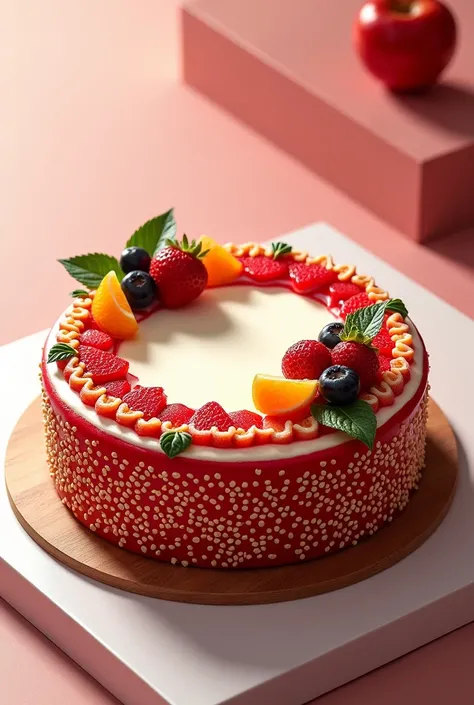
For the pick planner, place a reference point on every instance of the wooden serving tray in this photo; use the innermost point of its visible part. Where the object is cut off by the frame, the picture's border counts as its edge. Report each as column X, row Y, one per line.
column 40, row 512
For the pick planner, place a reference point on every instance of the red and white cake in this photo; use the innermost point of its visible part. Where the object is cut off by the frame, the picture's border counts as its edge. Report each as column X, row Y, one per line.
column 172, row 432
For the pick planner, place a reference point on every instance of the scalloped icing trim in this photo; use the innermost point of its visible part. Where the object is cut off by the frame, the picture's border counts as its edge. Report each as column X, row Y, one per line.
column 383, row 394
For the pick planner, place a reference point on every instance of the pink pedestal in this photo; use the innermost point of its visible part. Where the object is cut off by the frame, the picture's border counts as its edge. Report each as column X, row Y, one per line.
column 288, row 69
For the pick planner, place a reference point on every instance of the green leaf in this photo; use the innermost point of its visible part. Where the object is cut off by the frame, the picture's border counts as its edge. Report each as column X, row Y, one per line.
column 90, row 269
column 61, row 351
column 356, row 419
column 79, row 293
column 363, row 325
column 280, row 248
column 175, row 442
column 397, row 306
column 153, row 234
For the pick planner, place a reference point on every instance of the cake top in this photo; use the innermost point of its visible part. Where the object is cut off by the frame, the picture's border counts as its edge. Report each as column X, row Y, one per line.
column 230, row 346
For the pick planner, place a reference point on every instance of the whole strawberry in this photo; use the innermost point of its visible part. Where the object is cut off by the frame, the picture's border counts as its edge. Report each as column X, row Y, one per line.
column 179, row 272
column 359, row 358
column 305, row 359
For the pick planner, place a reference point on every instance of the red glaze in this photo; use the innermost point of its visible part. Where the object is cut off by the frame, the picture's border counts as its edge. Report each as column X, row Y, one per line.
column 232, row 514
column 405, row 43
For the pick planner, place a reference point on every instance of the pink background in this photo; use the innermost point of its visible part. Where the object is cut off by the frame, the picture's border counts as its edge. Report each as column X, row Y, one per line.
column 96, row 137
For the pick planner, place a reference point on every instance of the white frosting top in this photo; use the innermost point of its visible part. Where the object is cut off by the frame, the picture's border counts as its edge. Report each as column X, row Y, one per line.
column 211, row 350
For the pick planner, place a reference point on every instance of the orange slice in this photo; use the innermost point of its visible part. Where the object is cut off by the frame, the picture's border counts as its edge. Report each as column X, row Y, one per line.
column 222, row 267
column 111, row 309
column 275, row 396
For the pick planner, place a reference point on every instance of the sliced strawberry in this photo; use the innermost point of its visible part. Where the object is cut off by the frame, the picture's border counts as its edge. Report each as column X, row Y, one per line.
column 310, row 277
column 275, row 422
column 104, row 366
column 265, row 269
column 118, row 388
column 150, row 400
column 341, row 291
column 384, row 364
column 246, row 419
column 97, row 339
column 177, row 414
column 383, row 342
column 209, row 415
column 355, row 303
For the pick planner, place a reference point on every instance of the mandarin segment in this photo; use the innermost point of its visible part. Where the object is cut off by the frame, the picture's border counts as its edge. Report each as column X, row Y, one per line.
column 275, row 396
column 222, row 267
column 111, row 310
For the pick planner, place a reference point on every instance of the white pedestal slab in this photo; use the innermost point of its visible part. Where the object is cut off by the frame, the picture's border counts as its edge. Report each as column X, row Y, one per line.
column 149, row 652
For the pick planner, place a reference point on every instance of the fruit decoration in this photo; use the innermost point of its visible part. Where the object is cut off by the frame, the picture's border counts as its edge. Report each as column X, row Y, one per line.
column 96, row 339
column 307, row 278
column 176, row 414
column 150, row 400
column 339, row 385
column 246, row 419
column 360, row 358
column 275, row 396
column 211, row 415
column 135, row 258
column 103, row 366
column 330, row 334
column 406, row 44
column 341, row 291
column 111, row 309
column 139, row 288
column 305, row 359
column 179, row 272
column 222, row 267
column 263, row 269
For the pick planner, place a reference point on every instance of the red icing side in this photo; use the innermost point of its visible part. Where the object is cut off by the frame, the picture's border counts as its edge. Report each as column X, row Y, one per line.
column 233, row 515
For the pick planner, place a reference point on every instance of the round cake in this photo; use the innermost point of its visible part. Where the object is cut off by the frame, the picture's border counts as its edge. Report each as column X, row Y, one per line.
column 232, row 406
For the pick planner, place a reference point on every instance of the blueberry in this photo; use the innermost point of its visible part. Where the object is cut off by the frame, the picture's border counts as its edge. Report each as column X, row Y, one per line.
column 329, row 335
column 139, row 288
column 134, row 258
column 339, row 385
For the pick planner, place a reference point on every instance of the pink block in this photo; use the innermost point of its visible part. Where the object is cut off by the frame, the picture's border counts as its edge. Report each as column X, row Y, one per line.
column 287, row 68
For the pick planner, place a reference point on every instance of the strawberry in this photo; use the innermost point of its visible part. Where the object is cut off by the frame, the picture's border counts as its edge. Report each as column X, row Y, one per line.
column 150, row 400
column 310, row 277
column 383, row 342
column 246, row 419
column 104, row 366
column 97, row 339
column 384, row 364
column 305, row 359
column 341, row 291
column 355, row 303
column 209, row 415
column 118, row 388
column 178, row 414
column 179, row 272
column 275, row 422
column 359, row 358
column 265, row 269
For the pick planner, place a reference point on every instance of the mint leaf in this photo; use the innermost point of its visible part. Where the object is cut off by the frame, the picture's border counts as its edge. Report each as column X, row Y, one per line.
column 79, row 293
column 363, row 325
column 154, row 233
column 61, row 351
column 280, row 248
column 356, row 419
column 90, row 269
column 175, row 442
column 397, row 306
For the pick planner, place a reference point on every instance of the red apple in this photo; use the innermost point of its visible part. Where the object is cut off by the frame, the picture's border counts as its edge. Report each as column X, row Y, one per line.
column 405, row 43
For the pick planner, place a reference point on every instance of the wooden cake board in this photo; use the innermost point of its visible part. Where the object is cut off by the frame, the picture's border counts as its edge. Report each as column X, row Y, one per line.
column 40, row 512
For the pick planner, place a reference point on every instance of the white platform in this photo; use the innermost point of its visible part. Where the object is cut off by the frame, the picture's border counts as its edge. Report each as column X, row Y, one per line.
column 149, row 652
